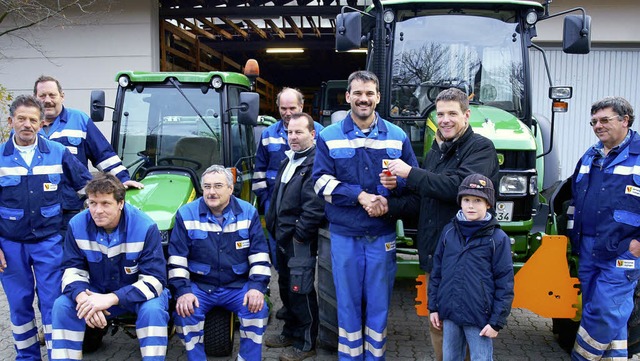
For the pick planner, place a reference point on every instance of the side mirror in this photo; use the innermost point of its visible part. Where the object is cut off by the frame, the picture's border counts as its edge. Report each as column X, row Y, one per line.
column 348, row 31
column 576, row 36
column 97, row 105
column 248, row 108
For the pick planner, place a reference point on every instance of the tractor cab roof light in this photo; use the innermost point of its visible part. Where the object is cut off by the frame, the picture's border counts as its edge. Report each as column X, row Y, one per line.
column 124, row 81
column 560, row 92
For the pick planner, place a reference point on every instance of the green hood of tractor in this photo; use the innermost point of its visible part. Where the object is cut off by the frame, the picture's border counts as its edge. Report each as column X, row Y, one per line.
column 503, row 128
column 162, row 195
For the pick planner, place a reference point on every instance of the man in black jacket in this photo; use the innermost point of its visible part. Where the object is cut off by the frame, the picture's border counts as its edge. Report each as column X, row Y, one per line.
column 455, row 153
column 293, row 219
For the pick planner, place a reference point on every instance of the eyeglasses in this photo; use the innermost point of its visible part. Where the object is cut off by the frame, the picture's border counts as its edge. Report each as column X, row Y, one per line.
column 216, row 186
column 603, row 120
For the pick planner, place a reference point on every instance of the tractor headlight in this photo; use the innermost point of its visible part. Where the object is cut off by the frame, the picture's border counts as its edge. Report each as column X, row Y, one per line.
column 164, row 237
column 513, row 185
column 533, row 185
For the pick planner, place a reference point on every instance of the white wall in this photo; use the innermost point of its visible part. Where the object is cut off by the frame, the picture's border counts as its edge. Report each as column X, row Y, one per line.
column 612, row 21
column 84, row 53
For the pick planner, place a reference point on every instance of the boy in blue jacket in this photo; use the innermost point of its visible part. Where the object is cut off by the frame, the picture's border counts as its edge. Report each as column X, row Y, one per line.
column 471, row 285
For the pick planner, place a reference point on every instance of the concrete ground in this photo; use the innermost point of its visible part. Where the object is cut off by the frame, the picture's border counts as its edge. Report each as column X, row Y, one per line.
column 526, row 337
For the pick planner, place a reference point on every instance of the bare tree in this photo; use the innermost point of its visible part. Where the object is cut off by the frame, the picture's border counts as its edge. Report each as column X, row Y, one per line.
column 27, row 13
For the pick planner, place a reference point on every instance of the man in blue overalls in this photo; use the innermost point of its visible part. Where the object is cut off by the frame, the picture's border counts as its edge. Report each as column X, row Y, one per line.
column 349, row 161
column 75, row 130
column 32, row 170
column 113, row 264
column 218, row 256
column 604, row 231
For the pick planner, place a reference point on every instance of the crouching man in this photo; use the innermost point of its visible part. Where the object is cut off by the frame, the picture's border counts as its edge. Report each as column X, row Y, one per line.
column 218, row 256
column 113, row 264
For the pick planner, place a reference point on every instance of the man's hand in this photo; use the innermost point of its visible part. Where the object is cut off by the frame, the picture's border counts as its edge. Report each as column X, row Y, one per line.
column 90, row 303
column 634, row 247
column 3, row 261
column 371, row 203
column 132, row 184
column 400, row 168
column 381, row 207
column 254, row 300
column 435, row 320
column 186, row 304
column 488, row 331
column 98, row 320
column 389, row 182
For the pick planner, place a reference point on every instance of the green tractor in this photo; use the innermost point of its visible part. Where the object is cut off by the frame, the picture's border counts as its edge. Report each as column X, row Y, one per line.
column 418, row 48
column 167, row 129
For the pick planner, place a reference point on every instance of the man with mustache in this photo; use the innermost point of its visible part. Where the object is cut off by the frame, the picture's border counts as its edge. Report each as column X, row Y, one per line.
column 32, row 170
column 218, row 256
column 349, row 157
column 604, row 232
column 75, row 130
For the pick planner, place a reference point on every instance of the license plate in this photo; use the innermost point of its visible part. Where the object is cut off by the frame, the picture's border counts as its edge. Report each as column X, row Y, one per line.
column 504, row 211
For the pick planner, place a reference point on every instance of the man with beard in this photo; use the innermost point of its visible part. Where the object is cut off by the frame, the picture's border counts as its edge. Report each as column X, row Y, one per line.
column 32, row 170
column 456, row 153
column 293, row 219
column 349, row 157
column 73, row 129
column 271, row 152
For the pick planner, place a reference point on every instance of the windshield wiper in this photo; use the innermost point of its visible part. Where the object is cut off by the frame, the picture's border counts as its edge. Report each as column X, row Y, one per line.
column 177, row 86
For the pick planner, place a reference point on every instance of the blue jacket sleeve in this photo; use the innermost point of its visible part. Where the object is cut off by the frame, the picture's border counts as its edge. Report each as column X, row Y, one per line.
column 102, row 155
column 179, row 282
column 259, row 181
column 259, row 262
column 326, row 185
column 152, row 271
column 75, row 278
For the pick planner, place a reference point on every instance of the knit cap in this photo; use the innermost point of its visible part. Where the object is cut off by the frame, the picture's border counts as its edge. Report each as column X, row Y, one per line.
column 479, row 186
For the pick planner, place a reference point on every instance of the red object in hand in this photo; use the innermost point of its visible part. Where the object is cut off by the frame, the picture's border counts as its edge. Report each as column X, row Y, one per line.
column 296, row 288
column 387, row 173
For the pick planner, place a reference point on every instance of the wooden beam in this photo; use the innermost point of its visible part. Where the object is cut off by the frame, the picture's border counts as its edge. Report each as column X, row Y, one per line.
column 294, row 26
column 261, row 33
column 275, row 28
column 235, row 27
column 182, row 33
column 314, row 28
column 195, row 28
column 225, row 34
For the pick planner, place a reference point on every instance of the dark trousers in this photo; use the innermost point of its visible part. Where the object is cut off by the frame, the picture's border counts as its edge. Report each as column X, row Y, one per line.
column 301, row 321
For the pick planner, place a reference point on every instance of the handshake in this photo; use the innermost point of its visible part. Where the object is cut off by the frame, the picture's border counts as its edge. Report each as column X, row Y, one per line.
column 377, row 205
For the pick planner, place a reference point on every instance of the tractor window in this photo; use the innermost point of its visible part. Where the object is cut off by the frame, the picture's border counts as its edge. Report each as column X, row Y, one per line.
column 479, row 55
column 243, row 147
column 160, row 123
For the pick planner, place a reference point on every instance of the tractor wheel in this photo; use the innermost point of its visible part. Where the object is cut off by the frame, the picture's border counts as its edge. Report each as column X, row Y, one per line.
column 218, row 332
column 566, row 330
column 327, row 304
column 92, row 339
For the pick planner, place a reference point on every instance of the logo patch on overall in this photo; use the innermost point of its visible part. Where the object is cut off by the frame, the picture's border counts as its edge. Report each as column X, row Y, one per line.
column 625, row 263
column 242, row 244
column 49, row 187
column 390, row 246
column 131, row 270
column 634, row 191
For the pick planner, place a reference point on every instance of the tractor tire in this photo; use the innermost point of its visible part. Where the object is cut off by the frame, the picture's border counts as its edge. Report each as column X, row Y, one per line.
column 92, row 339
column 218, row 332
column 327, row 304
column 565, row 329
